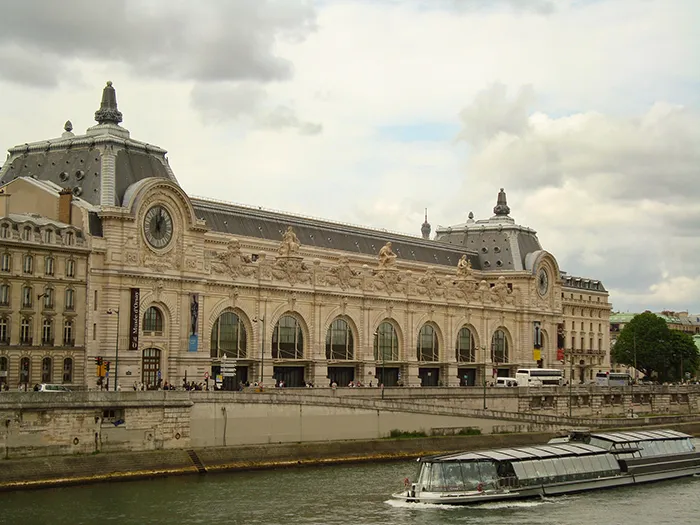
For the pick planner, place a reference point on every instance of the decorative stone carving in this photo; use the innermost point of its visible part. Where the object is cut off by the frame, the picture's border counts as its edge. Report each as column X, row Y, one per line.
column 464, row 267
column 265, row 268
column 430, row 284
column 389, row 280
column 158, row 290
column 387, row 258
column 500, row 293
column 159, row 263
column 233, row 296
column 290, row 243
column 291, row 269
column 232, row 262
column 343, row 275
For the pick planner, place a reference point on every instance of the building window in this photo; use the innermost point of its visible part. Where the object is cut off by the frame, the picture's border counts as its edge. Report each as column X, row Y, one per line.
column 287, row 339
column 48, row 265
column 46, row 370
column 27, row 297
column 70, row 238
column 4, row 331
column 583, row 343
column 48, row 236
column 499, row 347
column 28, row 264
column 94, row 331
column 25, row 331
column 600, row 344
column 386, row 343
column 24, row 370
column 94, row 303
column 150, row 366
column 228, row 337
column 427, row 348
column 48, row 298
column 70, row 268
column 6, row 262
column 465, row 346
column 153, row 320
column 5, row 295
column 70, row 299
column 47, row 332
column 4, row 370
column 68, row 333
column 5, row 231
column 573, row 342
column 27, row 233
column 339, row 342
column 67, row 370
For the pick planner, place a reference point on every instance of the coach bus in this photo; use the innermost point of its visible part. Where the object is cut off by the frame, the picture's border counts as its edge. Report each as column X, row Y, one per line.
column 539, row 377
column 613, row 379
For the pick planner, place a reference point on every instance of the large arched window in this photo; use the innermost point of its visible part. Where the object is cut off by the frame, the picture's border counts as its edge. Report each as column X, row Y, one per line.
column 24, row 370
column 386, row 343
column 25, row 331
column 465, row 350
column 287, row 339
column 68, row 339
column 47, row 332
column 427, row 346
column 339, row 343
column 228, row 337
column 67, row 370
column 4, row 367
column 499, row 347
column 46, row 370
column 153, row 320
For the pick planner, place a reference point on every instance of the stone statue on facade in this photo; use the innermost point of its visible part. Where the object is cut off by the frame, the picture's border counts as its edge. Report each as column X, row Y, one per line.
column 290, row 243
column 464, row 267
column 387, row 258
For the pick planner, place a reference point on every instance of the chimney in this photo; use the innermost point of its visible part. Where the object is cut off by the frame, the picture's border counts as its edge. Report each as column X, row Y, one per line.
column 4, row 203
column 65, row 199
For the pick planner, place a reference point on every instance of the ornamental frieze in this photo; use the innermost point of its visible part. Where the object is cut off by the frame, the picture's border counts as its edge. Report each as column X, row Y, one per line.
column 291, row 269
column 430, row 284
column 232, row 262
column 342, row 275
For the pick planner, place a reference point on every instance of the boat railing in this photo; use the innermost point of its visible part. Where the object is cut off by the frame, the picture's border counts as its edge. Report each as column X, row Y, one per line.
column 509, row 482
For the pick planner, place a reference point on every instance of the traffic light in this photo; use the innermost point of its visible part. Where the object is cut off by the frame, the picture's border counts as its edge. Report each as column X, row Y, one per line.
column 107, row 365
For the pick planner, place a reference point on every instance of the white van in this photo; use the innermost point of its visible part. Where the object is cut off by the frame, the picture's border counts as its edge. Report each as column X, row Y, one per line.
column 44, row 387
column 506, row 381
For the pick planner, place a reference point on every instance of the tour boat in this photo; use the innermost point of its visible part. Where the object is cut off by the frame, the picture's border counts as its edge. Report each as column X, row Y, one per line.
column 578, row 462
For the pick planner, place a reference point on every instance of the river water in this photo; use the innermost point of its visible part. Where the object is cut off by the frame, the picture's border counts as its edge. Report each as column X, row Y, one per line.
column 333, row 495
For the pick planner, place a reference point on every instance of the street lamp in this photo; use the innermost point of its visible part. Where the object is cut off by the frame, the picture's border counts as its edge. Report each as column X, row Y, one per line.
column 379, row 349
column 262, row 348
column 483, row 351
column 116, row 348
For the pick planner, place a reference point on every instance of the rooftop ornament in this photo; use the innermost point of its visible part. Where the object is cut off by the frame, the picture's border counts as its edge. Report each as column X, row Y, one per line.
column 108, row 112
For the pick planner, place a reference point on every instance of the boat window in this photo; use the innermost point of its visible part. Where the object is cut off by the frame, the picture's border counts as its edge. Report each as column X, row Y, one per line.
column 530, row 471
column 559, row 468
column 614, row 465
column 452, row 473
column 548, row 465
column 602, row 443
column 520, row 471
column 600, row 464
column 488, row 473
column 688, row 445
column 573, row 467
column 424, row 476
column 470, row 474
column 436, row 482
column 588, row 465
column 663, row 447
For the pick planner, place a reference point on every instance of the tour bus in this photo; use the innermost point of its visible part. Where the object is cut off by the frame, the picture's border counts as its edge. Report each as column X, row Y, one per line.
column 539, row 377
column 613, row 379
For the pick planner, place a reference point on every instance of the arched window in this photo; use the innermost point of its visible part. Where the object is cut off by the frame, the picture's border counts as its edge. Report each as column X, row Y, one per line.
column 48, row 265
column 68, row 339
column 5, row 231
column 4, row 368
column 70, row 268
column 70, row 299
column 67, row 370
column 6, row 262
column 5, row 295
column 25, row 331
column 150, row 366
column 386, row 343
column 427, row 346
column 70, row 238
column 46, row 370
column 27, row 297
column 229, row 337
column 153, row 320
column 47, row 332
column 28, row 264
column 499, row 347
column 24, row 370
column 4, row 331
column 48, row 235
column 48, row 298
column 465, row 346
column 287, row 339
column 27, row 233
column 339, row 343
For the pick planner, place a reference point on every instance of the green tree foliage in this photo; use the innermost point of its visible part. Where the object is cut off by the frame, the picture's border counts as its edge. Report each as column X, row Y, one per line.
column 647, row 344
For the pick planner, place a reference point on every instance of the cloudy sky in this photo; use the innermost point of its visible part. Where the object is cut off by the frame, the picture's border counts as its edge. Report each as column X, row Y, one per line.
column 368, row 111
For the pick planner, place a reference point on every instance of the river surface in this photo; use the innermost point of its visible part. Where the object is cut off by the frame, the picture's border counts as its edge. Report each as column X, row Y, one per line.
column 333, row 495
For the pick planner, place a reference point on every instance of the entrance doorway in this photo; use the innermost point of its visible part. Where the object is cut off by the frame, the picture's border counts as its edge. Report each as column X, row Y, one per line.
column 150, row 367
column 342, row 375
column 293, row 376
column 389, row 376
column 467, row 376
column 429, row 376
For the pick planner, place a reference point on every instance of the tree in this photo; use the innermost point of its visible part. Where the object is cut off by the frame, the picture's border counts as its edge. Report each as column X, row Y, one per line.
column 683, row 356
column 643, row 344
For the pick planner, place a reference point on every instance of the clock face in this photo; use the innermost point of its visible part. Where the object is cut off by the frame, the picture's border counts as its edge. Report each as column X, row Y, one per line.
column 158, row 226
column 542, row 282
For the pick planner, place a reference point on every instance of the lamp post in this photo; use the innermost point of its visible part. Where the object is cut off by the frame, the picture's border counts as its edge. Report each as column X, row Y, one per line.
column 483, row 351
column 380, row 349
column 262, row 348
column 116, row 348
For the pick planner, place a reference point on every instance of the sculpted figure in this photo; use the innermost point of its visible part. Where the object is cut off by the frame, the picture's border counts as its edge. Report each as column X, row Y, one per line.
column 464, row 267
column 290, row 243
column 387, row 257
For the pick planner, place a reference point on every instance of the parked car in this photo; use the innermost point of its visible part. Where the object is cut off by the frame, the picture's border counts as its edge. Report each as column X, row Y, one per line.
column 45, row 387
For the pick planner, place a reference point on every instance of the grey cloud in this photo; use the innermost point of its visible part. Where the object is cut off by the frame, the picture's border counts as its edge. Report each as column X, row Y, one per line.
column 543, row 7
column 283, row 117
column 205, row 41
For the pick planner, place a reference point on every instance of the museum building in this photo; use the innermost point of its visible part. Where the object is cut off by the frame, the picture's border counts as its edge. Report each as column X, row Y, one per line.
column 169, row 287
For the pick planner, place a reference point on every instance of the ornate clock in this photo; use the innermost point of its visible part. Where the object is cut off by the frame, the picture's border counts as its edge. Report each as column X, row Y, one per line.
column 158, row 226
column 542, row 282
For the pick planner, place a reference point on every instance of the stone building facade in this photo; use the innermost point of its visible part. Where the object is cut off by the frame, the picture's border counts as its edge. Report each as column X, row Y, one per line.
column 180, row 287
column 43, row 286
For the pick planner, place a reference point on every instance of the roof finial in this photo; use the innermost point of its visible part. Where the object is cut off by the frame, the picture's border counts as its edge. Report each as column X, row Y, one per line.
column 108, row 112
column 425, row 228
column 68, row 126
column 501, row 208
